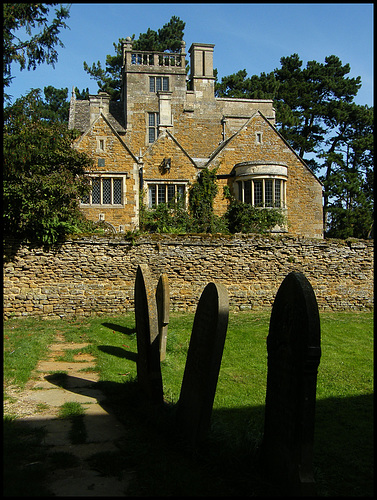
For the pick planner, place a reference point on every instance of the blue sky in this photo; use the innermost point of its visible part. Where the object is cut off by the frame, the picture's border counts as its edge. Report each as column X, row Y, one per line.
column 246, row 36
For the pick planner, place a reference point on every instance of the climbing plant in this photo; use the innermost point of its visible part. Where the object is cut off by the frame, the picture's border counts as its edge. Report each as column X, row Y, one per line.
column 201, row 196
column 200, row 218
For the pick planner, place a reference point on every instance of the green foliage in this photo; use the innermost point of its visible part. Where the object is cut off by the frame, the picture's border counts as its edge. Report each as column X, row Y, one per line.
column 43, row 175
column 201, row 196
column 316, row 115
column 55, row 107
column 239, row 218
column 37, row 48
column 349, row 174
column 108, row 79
column 244, row 218
column 238, row 85
column 165, row 219
column 167, row 38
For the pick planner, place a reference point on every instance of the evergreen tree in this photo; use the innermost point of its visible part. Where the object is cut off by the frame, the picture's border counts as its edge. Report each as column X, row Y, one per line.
column 108, row 79
column 39, row 47
column 316, row 114
column 55, row 107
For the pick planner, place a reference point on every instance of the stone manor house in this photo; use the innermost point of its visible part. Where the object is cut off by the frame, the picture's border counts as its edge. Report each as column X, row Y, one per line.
column 159, row 136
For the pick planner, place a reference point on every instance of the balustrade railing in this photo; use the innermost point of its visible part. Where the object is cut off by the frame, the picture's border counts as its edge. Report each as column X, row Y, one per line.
column 156, row 59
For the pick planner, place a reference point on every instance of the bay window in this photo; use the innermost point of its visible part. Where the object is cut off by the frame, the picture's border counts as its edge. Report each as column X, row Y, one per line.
column 262, row 184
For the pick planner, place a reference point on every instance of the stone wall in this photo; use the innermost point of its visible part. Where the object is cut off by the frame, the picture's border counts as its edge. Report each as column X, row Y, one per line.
column 95, row 276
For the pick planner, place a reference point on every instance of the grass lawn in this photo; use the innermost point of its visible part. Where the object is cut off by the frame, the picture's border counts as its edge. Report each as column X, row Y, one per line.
column 226, row 464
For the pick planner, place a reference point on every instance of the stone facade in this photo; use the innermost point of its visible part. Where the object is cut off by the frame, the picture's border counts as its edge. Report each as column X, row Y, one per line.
column 96, row 276
column 160, row 135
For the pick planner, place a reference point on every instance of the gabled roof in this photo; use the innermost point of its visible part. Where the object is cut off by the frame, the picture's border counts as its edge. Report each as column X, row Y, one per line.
column 169, row 134
column 81, row 115
column 108, row 122
column 232, row 137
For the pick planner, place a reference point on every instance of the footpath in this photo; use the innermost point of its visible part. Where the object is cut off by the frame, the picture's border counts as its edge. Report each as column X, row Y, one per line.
column 40, row 403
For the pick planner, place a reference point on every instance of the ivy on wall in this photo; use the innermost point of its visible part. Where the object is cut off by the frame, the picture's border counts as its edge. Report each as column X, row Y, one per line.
column 200, row 218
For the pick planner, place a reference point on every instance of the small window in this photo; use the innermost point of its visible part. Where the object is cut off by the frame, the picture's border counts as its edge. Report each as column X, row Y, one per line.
column 258, row 194
column 153, row 123
column 247, row 192
column 258, row 136
column 278, row 183
column 152, row 85
column 157, row 83
column 96, row 191
column 101, row 144
column 268, row 198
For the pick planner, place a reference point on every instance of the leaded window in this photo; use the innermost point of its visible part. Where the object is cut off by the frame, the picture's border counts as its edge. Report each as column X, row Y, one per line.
column 262, row 192
column 165, row 193
column 157, row 83
column 105, row 191
column 153, row 123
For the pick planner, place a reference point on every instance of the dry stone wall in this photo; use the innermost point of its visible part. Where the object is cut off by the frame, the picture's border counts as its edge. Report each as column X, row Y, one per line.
column 96, row 276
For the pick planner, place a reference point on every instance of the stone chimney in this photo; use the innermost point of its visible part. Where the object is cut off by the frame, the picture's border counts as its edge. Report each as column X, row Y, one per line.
column 72, row 106
column 201, row 70
column 164, row 104
column 99, row 104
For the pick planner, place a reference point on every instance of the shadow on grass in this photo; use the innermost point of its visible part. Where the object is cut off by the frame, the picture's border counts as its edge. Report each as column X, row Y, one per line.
column 118, row 352
column 119, row 328
column 226, row 464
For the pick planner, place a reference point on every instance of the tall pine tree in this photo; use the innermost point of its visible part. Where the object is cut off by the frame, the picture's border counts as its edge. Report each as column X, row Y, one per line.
column 167, row 38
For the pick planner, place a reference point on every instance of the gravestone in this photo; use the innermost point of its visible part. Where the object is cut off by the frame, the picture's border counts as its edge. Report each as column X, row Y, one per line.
column 163, row 306
column 294, row 351
column 203, row 362
column 148, row 342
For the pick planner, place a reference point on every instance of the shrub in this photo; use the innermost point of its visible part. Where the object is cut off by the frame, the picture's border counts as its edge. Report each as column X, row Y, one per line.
column 244, row 218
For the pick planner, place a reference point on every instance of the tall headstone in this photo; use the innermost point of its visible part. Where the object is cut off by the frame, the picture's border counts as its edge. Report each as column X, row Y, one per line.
column 203, row 362
column 294, row 351
column 163, row 307
column 148, row 342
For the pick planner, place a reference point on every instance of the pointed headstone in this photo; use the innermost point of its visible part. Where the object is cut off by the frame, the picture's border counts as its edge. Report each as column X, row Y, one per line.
column 147, row 332
column 294, row 351
column 203, row 362
column 163, row 307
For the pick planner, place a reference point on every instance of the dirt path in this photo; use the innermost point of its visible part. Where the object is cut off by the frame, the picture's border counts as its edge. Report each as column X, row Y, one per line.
column 38, row 405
